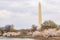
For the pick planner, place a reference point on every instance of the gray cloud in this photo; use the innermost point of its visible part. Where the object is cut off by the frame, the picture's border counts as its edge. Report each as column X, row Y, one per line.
column 23, row 13
column 25, row 7
column 51, row 10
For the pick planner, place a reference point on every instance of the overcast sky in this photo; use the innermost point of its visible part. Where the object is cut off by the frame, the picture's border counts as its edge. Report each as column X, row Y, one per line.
column 23, row 13
column 51, row 10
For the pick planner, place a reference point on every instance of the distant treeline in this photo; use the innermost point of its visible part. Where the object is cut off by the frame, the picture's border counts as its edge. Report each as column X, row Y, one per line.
column 45, row 25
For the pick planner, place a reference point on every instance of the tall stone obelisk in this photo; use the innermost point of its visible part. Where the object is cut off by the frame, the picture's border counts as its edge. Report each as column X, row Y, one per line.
column 39, row 15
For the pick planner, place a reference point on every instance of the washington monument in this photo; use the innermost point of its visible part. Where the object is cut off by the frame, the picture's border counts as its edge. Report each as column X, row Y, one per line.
column 39, row 14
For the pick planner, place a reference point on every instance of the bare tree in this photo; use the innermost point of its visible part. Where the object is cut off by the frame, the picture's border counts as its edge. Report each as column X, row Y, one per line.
column 8, row 28
column 34, row 28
